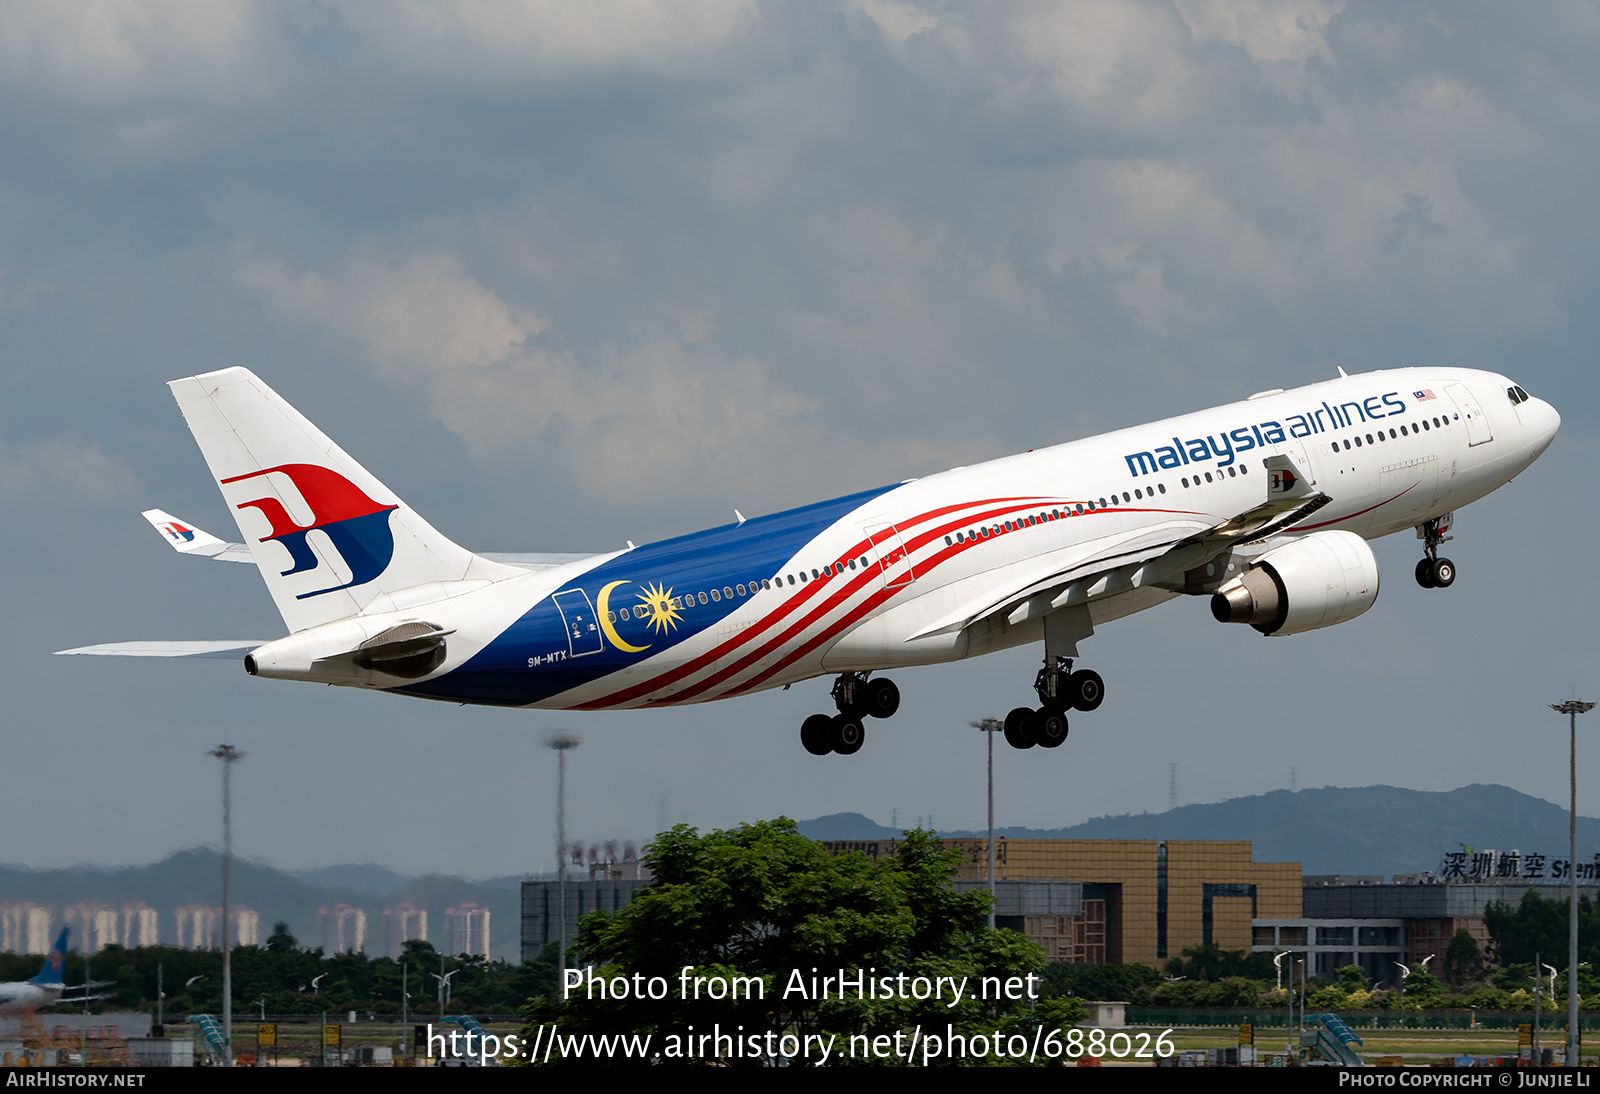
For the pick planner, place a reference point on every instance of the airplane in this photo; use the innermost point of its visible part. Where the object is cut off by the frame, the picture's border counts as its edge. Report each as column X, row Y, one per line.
column 1264, row 506
column 45, row 989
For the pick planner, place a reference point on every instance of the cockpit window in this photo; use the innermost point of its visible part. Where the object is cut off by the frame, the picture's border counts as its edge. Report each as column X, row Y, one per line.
column 1522, row 393
column 1511, row 393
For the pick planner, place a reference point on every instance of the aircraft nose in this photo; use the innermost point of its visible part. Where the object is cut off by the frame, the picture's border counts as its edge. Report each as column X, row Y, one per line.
column 1542, row 423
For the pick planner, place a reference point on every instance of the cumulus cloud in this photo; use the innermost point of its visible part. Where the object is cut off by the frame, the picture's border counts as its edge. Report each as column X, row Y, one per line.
column 631, row 421
column 57, row 466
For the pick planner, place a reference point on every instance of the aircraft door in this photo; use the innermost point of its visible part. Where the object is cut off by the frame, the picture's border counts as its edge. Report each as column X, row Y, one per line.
column 583, row 626
column 894, row 562
column 1477, row 422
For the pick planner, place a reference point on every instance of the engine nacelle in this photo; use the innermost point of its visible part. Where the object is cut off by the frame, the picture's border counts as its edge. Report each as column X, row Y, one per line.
column 1322, row 579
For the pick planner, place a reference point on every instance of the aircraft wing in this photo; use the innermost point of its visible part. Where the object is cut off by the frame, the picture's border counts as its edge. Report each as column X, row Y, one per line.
column 1148, row 556
column 189, row 539
column 227, row 649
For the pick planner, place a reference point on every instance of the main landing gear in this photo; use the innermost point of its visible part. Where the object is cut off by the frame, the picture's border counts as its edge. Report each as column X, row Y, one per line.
column 857, row 698
column 1434, row 572
column 1059, row 690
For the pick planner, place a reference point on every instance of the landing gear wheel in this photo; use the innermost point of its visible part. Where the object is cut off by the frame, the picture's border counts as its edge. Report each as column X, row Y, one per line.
column 882, row 698
column 1049, row 727
column 1425, row 576
column 1443, row 573
column 816, row 733
column 1019, row 729
column 846, row 734
column 1085, row 690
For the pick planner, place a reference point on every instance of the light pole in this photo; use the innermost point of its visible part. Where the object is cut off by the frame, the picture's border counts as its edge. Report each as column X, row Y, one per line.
column 989, row 727
column 229, row 756
column 1572, row 708
column 563, row 743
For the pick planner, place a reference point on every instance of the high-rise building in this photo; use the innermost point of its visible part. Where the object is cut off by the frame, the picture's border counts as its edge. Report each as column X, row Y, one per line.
column 198, row 926
column 246, row 926
column 469, row 929
column 140, row 925
column 404, row 923
column 93, row 924
column 344, row 929
column 24, row 927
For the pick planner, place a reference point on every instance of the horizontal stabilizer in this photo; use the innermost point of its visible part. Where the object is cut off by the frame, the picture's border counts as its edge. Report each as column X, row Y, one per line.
column 230, row 650
column 187, row 539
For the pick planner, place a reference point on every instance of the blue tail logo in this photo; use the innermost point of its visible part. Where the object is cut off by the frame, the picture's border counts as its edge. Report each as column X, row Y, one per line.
column 51, row 973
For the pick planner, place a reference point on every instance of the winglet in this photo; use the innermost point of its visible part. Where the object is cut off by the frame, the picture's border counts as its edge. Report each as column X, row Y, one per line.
column 187, row 539
column 184, row 537
column 1285, row 481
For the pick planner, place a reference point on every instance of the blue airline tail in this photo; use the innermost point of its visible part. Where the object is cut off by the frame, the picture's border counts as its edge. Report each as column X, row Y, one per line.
column 55, row 963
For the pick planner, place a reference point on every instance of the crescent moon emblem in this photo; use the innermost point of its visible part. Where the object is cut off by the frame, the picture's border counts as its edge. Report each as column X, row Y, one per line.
column 604, row 616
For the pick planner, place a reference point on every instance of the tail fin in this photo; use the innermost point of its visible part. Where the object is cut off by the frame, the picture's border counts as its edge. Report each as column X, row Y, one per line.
column 56, row 962
column 327, row 536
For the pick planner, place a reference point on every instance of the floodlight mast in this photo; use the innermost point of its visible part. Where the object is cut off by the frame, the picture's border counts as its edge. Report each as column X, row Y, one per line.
column 229, row 756
column 990, row 726
column 562, row 742
column 1572, row 708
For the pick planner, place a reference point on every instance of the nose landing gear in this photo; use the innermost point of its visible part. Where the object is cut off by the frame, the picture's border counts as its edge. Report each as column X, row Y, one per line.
column 857, row 698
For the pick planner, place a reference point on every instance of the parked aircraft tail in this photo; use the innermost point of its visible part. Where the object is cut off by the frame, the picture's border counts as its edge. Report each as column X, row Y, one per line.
column 55, row 963
column 329, row 539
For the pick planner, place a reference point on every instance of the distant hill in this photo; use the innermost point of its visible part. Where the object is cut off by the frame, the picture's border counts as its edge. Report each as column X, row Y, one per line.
column 1334, row 830
column 195, row 877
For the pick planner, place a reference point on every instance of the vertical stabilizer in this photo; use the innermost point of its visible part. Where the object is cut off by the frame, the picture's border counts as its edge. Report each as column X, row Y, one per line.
column 327, row 536
column 55, row 963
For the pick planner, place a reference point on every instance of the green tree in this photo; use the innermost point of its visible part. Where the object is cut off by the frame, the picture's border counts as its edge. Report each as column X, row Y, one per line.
column 280, row 940
column 767, row 905
column 1463, row 960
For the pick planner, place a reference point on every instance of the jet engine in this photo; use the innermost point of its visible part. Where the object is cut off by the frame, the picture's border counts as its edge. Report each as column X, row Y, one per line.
column 1316, row 581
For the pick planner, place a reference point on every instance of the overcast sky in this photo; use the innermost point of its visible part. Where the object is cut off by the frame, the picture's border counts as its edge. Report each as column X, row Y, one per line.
column 564, row 275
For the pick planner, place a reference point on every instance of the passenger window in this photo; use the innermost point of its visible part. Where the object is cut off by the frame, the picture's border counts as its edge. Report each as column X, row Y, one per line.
column 1208, row 476
column 1424, row 423
column 727, row 592
column 714, row 595
column 1125, row 497
column 791, row 579
column 1369, row 438
column 1186, row 482
column 1161, row 486
column 702, row 598
column 1358, row 443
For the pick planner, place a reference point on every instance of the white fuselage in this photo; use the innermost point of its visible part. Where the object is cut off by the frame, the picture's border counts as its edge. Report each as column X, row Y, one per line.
column 934, row 569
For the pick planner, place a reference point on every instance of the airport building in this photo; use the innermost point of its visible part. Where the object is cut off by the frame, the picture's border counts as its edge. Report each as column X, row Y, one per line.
column 1142, row 901
column 1146, row 901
